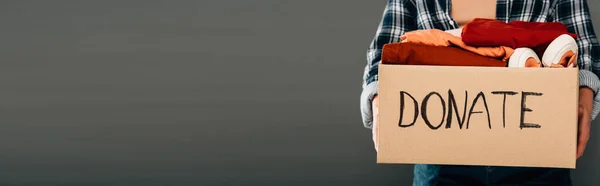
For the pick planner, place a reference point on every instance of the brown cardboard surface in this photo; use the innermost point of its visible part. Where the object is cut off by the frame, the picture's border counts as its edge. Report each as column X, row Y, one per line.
column 500, row 140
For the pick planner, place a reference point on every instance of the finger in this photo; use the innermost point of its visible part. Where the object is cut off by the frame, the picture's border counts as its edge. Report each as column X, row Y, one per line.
column 566, row 57
column 573, row 61
column 583, row 131
column 375, row 132
column 375, row 122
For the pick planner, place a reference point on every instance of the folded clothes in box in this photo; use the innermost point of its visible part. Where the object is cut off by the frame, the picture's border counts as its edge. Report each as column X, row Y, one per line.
column 488, row 42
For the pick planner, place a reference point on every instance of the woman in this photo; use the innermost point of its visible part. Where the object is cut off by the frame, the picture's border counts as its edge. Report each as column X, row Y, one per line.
column 401, row 16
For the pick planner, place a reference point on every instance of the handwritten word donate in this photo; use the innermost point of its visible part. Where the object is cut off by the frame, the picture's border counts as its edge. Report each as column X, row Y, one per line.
column 449, row 105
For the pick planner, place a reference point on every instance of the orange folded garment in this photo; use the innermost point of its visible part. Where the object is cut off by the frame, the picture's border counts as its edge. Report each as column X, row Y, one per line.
column 436, row 37
column 421, row 54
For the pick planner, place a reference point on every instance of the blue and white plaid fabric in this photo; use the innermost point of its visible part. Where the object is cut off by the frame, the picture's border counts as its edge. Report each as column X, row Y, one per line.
column 402, row 16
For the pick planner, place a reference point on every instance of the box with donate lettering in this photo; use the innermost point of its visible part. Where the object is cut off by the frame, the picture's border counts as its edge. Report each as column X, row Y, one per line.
column 477, row 115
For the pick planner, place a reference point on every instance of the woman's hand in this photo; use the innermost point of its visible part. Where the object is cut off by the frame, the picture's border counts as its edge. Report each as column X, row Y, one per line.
column 586, row 100
column 375, row 106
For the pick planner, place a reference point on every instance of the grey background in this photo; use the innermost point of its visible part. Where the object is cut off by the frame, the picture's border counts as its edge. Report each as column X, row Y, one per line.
column 262, row 92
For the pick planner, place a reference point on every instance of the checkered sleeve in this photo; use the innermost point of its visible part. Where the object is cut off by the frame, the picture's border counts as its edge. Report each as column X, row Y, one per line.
column 576, row 16
column 398, row 17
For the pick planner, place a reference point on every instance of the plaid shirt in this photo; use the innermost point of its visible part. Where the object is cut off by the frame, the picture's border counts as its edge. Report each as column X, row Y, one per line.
column 402, row 16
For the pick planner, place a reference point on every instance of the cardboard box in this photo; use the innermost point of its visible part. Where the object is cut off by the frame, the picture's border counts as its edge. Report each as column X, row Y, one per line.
column 494, row 116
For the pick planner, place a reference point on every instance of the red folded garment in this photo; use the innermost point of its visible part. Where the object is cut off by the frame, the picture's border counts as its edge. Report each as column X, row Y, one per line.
column 421, row 54
column 490, row 32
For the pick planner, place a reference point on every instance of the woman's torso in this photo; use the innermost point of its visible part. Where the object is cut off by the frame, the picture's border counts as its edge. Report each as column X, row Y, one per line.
column 451, row 14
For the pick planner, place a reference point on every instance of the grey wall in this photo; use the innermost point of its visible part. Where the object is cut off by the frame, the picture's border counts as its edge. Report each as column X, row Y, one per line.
column 260, row 92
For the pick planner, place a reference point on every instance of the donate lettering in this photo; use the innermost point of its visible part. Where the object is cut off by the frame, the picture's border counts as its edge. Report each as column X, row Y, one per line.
column 450, row 109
